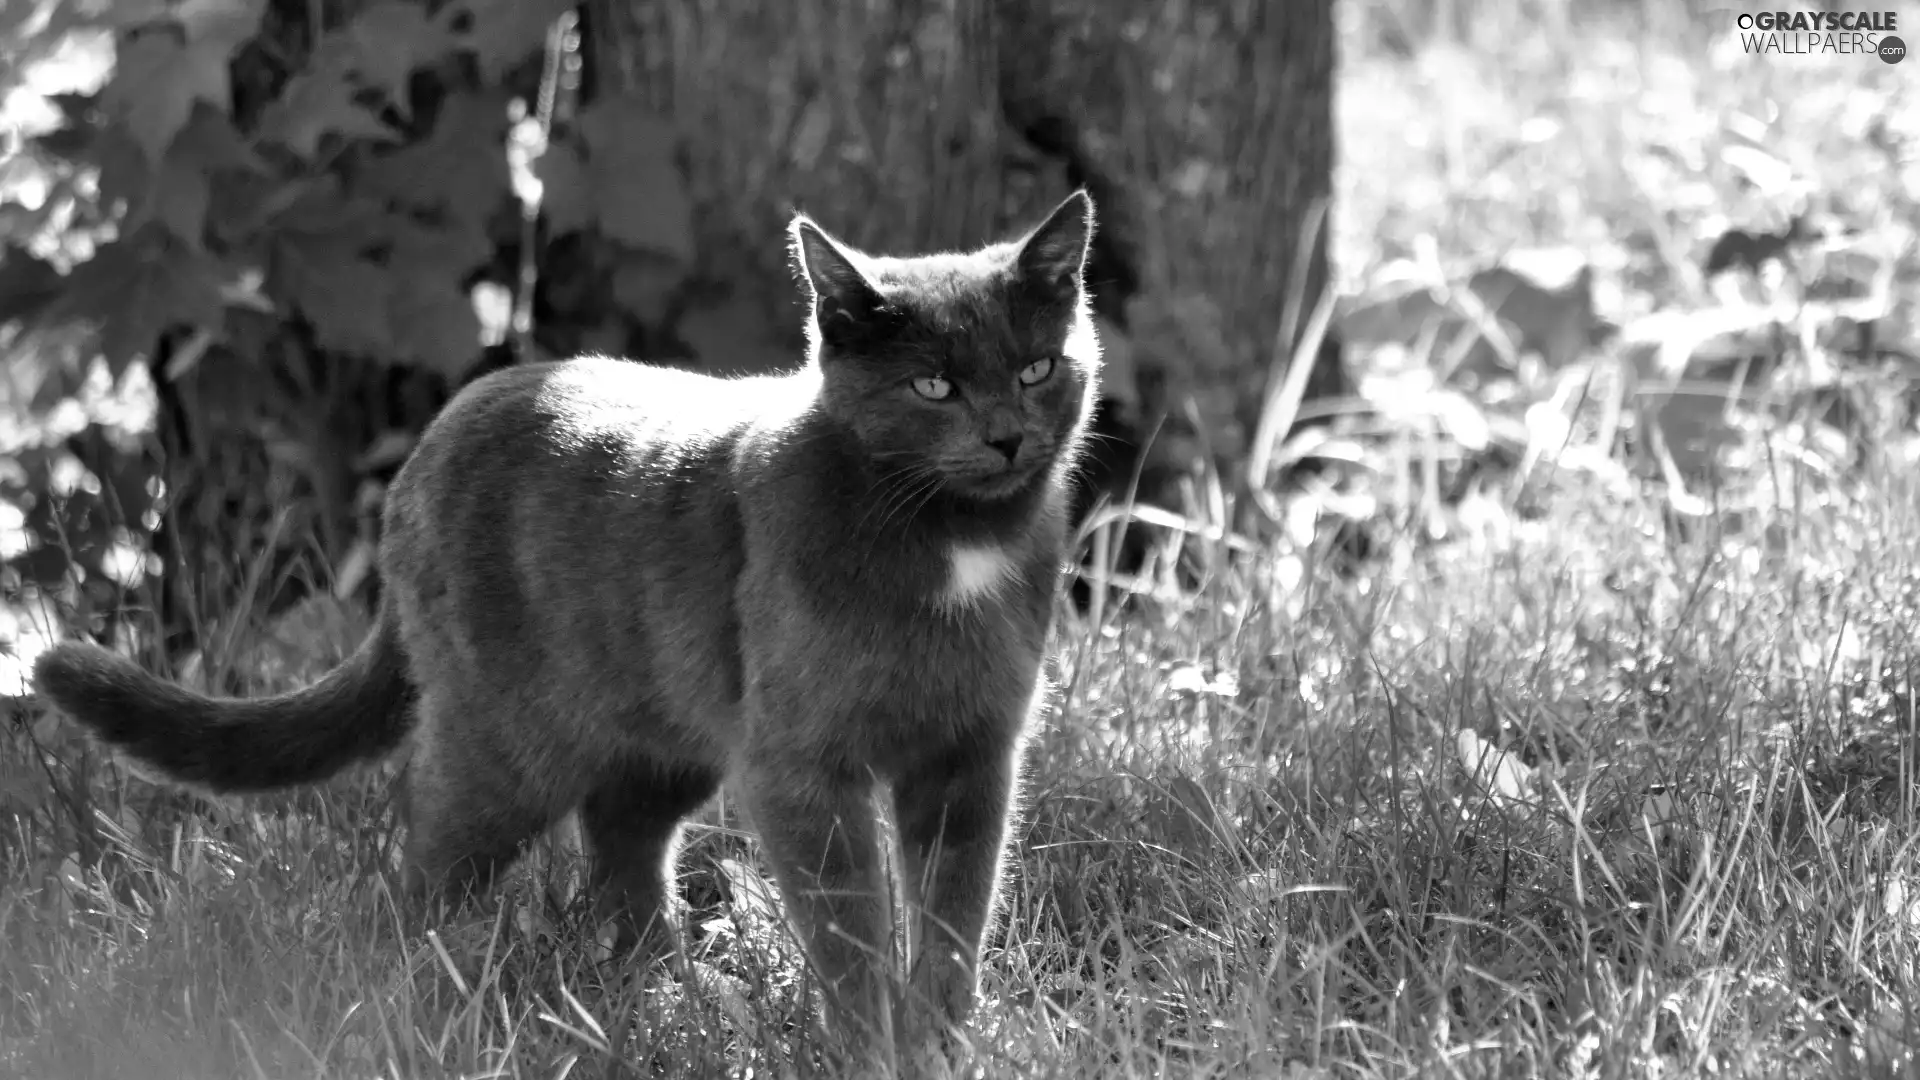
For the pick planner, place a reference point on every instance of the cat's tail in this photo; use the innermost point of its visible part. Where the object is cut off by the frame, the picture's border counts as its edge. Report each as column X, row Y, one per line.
column 359, row 711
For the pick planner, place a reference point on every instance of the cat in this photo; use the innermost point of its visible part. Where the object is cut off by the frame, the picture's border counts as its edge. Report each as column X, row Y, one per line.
column 613, row 587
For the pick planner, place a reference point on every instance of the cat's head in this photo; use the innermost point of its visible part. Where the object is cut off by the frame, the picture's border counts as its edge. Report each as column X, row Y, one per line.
column 976, row 369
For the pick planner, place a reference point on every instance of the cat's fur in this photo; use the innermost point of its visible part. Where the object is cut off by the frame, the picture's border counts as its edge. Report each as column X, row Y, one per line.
column 612, row 587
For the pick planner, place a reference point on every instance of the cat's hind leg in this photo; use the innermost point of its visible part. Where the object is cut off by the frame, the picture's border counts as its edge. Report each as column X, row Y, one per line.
column 632, row 821
column 471, row 808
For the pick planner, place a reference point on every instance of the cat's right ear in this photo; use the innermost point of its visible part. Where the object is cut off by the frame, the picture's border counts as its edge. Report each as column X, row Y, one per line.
column 1054, row 255
column 844, row 301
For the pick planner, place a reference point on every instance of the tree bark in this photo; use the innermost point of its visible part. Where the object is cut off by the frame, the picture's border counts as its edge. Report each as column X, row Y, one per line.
column 1219, row 115
column 1204, row 128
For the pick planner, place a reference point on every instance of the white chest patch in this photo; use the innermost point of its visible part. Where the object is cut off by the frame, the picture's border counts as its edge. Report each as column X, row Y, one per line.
column 975, row 574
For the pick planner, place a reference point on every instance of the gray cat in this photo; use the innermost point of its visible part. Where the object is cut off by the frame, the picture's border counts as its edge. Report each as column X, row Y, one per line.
column 613, row 587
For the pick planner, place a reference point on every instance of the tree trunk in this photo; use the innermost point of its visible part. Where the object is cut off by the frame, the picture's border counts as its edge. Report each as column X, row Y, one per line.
column 1219, row 115
column 879, row 118
column 1204, row 129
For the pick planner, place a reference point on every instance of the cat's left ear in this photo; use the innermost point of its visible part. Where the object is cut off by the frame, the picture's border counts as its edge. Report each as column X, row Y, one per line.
column 844, row 301
column 1054, row 254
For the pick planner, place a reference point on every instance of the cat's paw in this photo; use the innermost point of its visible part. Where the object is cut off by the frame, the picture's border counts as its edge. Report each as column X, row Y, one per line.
column 941, row 989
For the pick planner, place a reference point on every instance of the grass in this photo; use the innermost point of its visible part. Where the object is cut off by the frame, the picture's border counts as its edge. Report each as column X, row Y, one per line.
column 1559, row 781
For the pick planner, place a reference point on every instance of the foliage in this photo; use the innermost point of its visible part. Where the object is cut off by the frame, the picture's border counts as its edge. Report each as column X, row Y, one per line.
column 1539, row 282
column 255, row 192
column 356, row 208
column 333, row 195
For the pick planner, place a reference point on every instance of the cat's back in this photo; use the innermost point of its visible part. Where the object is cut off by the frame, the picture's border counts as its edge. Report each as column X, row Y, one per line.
column 535, row 461
column 587, row 420
column 573, row 404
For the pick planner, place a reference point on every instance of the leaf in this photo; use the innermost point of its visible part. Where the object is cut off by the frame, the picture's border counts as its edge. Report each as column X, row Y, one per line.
column 137, row 287
column 1537, row 301
column 27, row 283
column 639, row 196
column 210, row 141
column 63, row 352
column 1662, row 816
column 156, row 80
column 222, row 24
column 179, row 192
column 319, row 207
column 388, row 41
column 434, row 325
column 72, row 877
column 126, row 173
column 446, row 253
column 318, row 264
column 408, row 309
column 1460, row 418
column 23, row 21
column 44, row 565
column 1546, row 296
column 502, row 33
column 1188, row 679
column 343, row 294
column 122, row 14
column 1689, row 428
column 315, row 103
column 461, row 168
column 180, row 199
column 1507, row 777
column 1768, row 174
column 1901, row 902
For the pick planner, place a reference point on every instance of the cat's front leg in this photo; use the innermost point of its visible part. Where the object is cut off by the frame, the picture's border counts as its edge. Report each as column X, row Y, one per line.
column 821, row 839
column 954, row 812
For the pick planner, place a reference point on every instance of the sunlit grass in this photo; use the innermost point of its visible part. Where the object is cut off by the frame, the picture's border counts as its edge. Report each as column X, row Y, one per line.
column 1255, row 842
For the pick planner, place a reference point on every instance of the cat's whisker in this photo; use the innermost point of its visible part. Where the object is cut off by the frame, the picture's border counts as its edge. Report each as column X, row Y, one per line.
column 917, row 499
column 899, row 497
column 925, row 497
column 889, row 487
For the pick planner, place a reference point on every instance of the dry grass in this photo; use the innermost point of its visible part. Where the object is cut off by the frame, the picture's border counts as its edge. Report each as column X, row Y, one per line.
column 1560, row 782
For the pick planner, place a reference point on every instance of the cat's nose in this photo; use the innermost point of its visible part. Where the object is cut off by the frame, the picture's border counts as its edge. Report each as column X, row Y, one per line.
column 1008, row 445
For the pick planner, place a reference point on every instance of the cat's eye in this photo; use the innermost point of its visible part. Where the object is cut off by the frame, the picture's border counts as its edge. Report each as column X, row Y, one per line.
column 1036, row 373
column 933, row 388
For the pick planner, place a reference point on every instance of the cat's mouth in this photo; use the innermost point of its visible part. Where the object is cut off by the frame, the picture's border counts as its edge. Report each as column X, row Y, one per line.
column 997, row 485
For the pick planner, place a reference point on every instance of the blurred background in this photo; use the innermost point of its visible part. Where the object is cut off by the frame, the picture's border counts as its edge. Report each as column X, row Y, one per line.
column 250, row 247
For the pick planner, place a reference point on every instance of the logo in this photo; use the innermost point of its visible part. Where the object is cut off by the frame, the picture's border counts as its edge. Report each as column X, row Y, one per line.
column 1821, row 33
